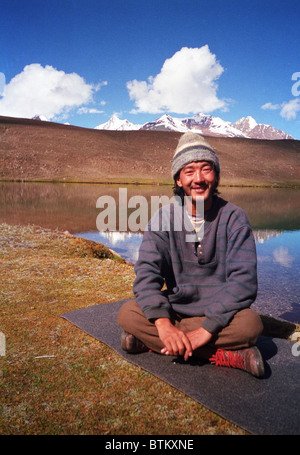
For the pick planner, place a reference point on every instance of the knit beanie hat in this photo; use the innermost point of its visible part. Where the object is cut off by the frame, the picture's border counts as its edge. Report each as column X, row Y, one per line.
column 193, row 147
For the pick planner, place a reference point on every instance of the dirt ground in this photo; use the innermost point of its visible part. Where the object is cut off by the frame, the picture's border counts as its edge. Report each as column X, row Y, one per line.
column 36, row 150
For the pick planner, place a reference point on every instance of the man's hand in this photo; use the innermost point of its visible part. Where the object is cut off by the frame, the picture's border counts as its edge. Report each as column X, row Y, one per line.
column 175, row 341
column 199, row 337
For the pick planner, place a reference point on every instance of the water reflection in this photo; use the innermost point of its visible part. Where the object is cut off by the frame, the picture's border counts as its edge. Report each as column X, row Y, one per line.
column 125, row 244
column 283, row 257
column 278, row 273
column 273, row 213
column 73, row 206
column 278, row 267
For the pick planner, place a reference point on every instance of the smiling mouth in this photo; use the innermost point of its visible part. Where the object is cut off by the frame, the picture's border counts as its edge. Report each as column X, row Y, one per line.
column 200, row 189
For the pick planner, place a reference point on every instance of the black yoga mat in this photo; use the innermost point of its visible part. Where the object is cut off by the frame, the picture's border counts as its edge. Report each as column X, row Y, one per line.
column 268, row 406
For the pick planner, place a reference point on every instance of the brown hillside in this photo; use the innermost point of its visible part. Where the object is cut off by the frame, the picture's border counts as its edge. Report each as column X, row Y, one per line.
column 35, row 150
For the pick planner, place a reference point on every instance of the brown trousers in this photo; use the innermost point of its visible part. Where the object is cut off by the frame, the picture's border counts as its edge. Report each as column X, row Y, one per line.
column 242, row 331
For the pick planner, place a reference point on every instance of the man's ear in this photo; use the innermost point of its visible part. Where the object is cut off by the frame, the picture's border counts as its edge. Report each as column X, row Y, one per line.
column 178, row 182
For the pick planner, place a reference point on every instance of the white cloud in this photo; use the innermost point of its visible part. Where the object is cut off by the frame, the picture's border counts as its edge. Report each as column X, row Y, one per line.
column 290, row 109
column 2, row 83
column 39, row 90
column 271, row 106
column 89, row 110
column 283, row 257
column 186, row 84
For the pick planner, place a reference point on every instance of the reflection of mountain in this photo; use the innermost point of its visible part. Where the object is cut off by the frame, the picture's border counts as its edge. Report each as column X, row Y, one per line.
column 116, row 237
column 124, row 243
column 262, row 235
column 72, row 207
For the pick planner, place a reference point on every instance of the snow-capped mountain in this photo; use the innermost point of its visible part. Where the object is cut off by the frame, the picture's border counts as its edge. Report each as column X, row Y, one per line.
column 213, row 126
column 200, row 123
column 41, row 118
column 203, row 124
column 166, row 123
column 114, row 123
column 258, row 130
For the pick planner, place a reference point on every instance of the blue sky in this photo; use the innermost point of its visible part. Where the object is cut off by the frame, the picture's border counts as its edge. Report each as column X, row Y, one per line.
column 80, row 61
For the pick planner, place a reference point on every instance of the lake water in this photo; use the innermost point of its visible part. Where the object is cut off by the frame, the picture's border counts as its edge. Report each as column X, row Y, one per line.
column 273, row 213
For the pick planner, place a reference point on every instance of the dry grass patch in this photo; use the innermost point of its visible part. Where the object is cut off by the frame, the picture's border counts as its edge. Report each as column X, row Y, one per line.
column 54, row 378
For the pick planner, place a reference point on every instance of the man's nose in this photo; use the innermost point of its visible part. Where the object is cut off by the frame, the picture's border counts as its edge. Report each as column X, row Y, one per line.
column 198, row 176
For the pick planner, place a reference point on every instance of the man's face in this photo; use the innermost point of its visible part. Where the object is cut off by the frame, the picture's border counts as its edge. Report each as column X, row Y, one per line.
column 198, row 180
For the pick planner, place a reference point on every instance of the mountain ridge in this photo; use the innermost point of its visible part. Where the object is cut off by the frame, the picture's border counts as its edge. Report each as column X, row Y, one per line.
column 205, row 124
column 32, row 150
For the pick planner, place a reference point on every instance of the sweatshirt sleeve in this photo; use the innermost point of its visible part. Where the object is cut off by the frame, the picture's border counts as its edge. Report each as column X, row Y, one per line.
column 149, row 270
column 240, row 288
